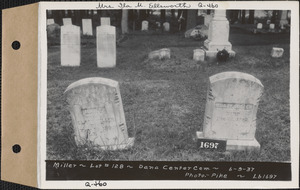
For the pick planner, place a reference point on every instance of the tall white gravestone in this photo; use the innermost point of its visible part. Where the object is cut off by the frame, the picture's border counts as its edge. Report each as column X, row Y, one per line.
column 97, row 114
column 105, row 21
column 106, row 46
column 218, row 35
column 145, row 25
column 87, row 28
column 70, row 45
column 230, row 112
column 67, row 21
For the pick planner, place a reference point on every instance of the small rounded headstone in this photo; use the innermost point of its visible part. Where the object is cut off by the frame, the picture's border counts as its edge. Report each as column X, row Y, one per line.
column 199, row 55
column 272, row 26
column 165, row 53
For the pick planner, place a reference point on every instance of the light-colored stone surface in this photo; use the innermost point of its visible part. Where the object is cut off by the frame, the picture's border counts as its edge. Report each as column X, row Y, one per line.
column 259, row 26
column 154, row 54
column 67, row 21
column 199, row 55
column 50, row 21
column 145, row 25
column 231, row 107
column 164, row 53
column 272, row 26
column 87, row 28
column 97, row 114
column 277, row 52
column 166, row 26
column 218, row 35
column 105, row 21
column 207, row 19
column 106, row 46
column 70, row 45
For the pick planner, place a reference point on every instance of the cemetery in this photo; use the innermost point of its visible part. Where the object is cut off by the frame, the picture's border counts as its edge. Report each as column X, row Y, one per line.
column 169, row 85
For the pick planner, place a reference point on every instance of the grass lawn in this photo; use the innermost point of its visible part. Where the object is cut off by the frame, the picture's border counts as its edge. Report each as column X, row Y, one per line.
column 164, row 101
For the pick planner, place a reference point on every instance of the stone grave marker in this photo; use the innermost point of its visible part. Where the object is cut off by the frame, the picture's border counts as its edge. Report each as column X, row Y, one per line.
column 166, row 26
column 272, row 26
column 277, row 52
column 218, row 35
column 199, row 55
column 97, row 114
column 268, row 22
column 105, row 21
column 145, row 25
column 87, row 28
column 67, row 21
column 50, row 21
column 106, row 46
column 207, row 20
column 259, row 26
column 164, row 53
column 230, row 112
column 70, row 45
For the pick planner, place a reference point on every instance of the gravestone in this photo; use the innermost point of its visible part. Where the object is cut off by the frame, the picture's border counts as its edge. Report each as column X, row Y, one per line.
column 50, row 21
column 218, row 35
column 207, row 20
column 87, row 28
column 277, row 52
column 70, row 45
column 259, row 26
column 106, row 46
column 97, row 114
column 230, row 112
column 164, row 53
column 145, row 25
column 166, row 26
column 67, row 21
column 105, row 21
column 199, row 55
column 272, row 26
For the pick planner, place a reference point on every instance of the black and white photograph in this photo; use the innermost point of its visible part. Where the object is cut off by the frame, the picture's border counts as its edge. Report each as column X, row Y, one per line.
column 148, row 87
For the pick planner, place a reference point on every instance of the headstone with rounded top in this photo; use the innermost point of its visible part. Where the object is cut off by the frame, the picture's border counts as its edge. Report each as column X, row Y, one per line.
column 230, row 112
column 97, row 114
column 166, row 26
column 145, row 25
column 259, row 26
column 199, row 55
column 277, row 52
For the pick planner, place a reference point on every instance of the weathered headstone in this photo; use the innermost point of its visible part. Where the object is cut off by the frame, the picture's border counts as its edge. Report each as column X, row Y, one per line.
column 277, row 52
column 166, row 26
column 272, row 26
column 87, row 28
column 218, row 35
column 106, row 46
column 230, row 112
column 97, row 114
column 145, row 25
column 164, row 53
column 259, row 26
column 70, row 45
column 50, row 21
column 67, row 21
column 105, row 21
column 199, row 55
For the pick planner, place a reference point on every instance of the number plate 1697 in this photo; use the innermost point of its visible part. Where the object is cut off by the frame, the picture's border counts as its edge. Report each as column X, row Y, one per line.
column 211, row 144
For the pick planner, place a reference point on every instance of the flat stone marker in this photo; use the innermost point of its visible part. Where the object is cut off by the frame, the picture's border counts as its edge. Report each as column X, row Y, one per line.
column 97, row 114
column 166, row 26
column 199, row 55
column 67, row 21
column 259, row 26
column 87, row 28
column 70, row 45
column 277, row 52
column 145, row 25
column 230, row 112
column 164, row 53
column 106, row 46
column 105, row 21
column 50, row 21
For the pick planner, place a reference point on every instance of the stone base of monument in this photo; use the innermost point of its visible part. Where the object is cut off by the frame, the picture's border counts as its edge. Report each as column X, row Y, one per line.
column 212, row 48
column 213, row 54
column 122, row 146
column 233, row 144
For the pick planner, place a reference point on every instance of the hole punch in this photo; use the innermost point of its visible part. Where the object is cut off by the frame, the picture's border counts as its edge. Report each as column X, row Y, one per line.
column 16, row 148
column 16, row 45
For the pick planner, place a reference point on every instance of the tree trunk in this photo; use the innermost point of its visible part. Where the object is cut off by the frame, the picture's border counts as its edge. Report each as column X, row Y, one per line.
column 124, row 23
column 162, row 15
column 243, row 17
column 251, row 17
column 191, row 18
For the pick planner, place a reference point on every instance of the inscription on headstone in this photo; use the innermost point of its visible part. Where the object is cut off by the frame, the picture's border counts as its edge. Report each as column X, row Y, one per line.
column 70, row 45
column 97, row 114
column 231, row 107
column 67, row 21
column 87, row 28
column 106, row 46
